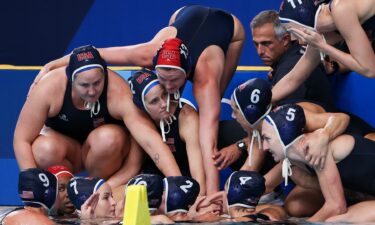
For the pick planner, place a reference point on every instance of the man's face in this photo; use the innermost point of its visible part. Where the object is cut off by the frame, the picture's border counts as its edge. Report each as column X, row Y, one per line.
column 268, row 47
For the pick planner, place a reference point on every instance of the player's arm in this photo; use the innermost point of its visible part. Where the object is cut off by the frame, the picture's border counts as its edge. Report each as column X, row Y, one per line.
column 189, row 132
column 30, row 122
column 140, row 126
column 207, row 96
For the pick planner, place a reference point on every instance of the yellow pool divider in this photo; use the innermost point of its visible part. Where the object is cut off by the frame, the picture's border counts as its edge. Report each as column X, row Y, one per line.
column 136, row 206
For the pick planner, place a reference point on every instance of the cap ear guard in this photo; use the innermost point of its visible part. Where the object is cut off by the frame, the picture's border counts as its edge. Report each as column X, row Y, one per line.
column 136, row 100
column 180, row 193
column 140, row 82
column 81, row 188
column 244, row 189
column 138, row 103
column 154, row 187
column 289, row 123
column 37, row 188
column 253, row 99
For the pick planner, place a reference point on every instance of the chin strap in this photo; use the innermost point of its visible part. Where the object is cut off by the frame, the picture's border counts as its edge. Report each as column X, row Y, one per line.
column 94, row 107
column 166, row 122
column 256, row 135
column 286, row 170
column 287, row 165
column 177, row 97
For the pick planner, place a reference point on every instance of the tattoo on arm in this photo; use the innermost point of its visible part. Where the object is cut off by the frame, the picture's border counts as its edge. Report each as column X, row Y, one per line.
column 156, row 158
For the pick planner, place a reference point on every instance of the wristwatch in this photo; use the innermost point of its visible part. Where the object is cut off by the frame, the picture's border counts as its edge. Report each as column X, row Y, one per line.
column 241, row 145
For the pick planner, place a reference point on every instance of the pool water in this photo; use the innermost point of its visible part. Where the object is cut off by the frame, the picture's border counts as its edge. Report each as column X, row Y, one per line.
column 76, row 221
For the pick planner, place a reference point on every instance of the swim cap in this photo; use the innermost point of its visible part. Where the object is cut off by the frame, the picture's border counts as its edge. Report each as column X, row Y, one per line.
column 253, row 99
column 84, row 58
column 81, row 188
column 180, row 193
column 141, row 82
column 173, row 54
column 154, row 185
column 245, row 188
column 60, row 171
column 289, row 123
column 37, row 188
column 302, row 12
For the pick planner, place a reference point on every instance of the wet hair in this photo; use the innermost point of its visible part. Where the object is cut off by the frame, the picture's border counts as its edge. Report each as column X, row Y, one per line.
column 269, row 16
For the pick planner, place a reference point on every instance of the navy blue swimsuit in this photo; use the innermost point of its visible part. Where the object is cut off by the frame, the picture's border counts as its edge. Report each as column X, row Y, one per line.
column 177, row 147
column 357, row 170
column 199, row 27
column 77, row 123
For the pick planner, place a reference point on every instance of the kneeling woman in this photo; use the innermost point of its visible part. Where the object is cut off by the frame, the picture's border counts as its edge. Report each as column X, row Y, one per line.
column 349, row 164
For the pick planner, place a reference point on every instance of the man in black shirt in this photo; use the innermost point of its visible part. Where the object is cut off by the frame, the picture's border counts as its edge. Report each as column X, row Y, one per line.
column 276, row 49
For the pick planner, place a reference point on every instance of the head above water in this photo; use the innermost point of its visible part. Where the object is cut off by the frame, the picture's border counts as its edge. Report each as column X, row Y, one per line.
column 154, row 186
column 37, row 188
column 180, row 192
column 63, row 205
column 244, row 189
column 81, row 188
